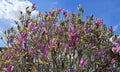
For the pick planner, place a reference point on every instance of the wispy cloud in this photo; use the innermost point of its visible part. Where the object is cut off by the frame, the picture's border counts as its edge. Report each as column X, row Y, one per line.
column 116, row 27
column 34, row 13
column 55, row 3
column 9, row 9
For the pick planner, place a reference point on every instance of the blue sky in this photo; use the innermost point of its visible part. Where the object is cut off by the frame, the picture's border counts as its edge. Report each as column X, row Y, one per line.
column 107, row 9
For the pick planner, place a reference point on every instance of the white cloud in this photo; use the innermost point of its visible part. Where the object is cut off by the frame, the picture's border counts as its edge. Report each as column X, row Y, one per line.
column 116, row 27
column 9, row 9
column 34, row 13
column 1, row 31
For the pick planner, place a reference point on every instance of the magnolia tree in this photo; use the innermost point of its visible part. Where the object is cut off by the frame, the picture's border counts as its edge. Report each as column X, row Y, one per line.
column 59, row 41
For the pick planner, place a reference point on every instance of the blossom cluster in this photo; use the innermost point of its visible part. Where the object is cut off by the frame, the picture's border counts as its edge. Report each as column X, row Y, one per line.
column 59, row 41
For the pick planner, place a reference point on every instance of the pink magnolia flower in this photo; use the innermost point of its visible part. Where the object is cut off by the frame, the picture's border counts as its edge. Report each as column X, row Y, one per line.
column 44, row 53
column 59, row 30
column 32, row 27
column 106, row 61
column 92, row 46
column 77, row 39
column 9, row 67
column 22, row 38
column 73, row 21
column 74, row 40
column 118, row 40
column 7, row 55
column 71, row 31
column 116, row 49
column 113, row 61
column 10, row 38
column 68, row 48
column 83, row 62
column 52, row 42
column 98, row 21
column 31, row 51
column 59, row 10
column 43, row 31
column 85, row 31
column 44, row 50
column 40, row 25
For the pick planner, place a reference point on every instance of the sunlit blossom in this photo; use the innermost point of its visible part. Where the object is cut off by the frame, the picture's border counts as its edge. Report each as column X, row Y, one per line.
column 83, row 62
